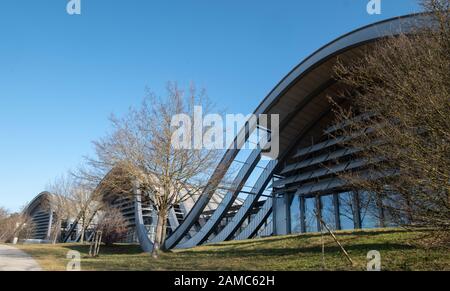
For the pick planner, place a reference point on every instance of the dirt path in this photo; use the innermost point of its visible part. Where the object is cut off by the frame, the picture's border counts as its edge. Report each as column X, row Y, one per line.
column 12, row 259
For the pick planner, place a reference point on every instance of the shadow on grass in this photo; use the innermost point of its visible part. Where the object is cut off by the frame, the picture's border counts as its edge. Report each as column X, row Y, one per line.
column 306, row 236
column 344, row 236
column 109, row 250
column 277, row 252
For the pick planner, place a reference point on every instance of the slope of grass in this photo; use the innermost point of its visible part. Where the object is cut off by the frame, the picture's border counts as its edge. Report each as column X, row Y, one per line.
column 300, row 252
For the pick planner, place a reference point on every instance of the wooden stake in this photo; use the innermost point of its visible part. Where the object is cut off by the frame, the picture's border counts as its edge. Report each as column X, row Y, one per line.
column 335, row 239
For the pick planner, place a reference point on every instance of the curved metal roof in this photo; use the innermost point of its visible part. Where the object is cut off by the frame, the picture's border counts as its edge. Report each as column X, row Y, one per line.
column 43, row 197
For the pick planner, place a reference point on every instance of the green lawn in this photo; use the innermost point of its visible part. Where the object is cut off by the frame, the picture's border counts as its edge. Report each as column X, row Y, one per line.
column 302, row 252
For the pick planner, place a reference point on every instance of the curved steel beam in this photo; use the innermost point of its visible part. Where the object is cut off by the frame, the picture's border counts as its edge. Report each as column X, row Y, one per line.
column 244, row 211
column 141, row 230
column 263, row 214
column 255, row 224
column 201, row 203
column 226, row 202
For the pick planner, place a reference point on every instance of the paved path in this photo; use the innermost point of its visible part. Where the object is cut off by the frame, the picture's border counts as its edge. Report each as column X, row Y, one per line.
column 12, row 259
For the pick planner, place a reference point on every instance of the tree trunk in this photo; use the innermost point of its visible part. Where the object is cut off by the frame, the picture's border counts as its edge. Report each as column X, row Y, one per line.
column 57, row 231
column 160, row 234
column 164, row 233
column 82, row 233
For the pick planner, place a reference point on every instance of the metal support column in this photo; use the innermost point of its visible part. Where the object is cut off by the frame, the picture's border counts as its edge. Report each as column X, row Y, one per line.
column 288, row 200
column 319, row 212
column 274, row 213
column 281, row 214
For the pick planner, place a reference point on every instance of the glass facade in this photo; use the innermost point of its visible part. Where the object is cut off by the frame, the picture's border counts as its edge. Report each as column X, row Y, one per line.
column 295, row 215
column 366, row 211
column 369, row 211
column 310, row 218
column 328, row 211
column 346, row 210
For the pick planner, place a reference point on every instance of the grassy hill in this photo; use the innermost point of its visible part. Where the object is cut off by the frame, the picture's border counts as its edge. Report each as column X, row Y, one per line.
column 300, row 252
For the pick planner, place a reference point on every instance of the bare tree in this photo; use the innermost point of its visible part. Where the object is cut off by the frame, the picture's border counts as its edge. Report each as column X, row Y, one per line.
column 60, row 203
column 401, row 88
column 112, row 224
column 87, row 203
column 3, row 213
column 141, row 147
column 25, row 226
column 5, row 225
column 14, row 225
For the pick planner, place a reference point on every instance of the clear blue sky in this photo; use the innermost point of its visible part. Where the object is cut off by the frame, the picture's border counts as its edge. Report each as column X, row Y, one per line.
column 61, row 76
